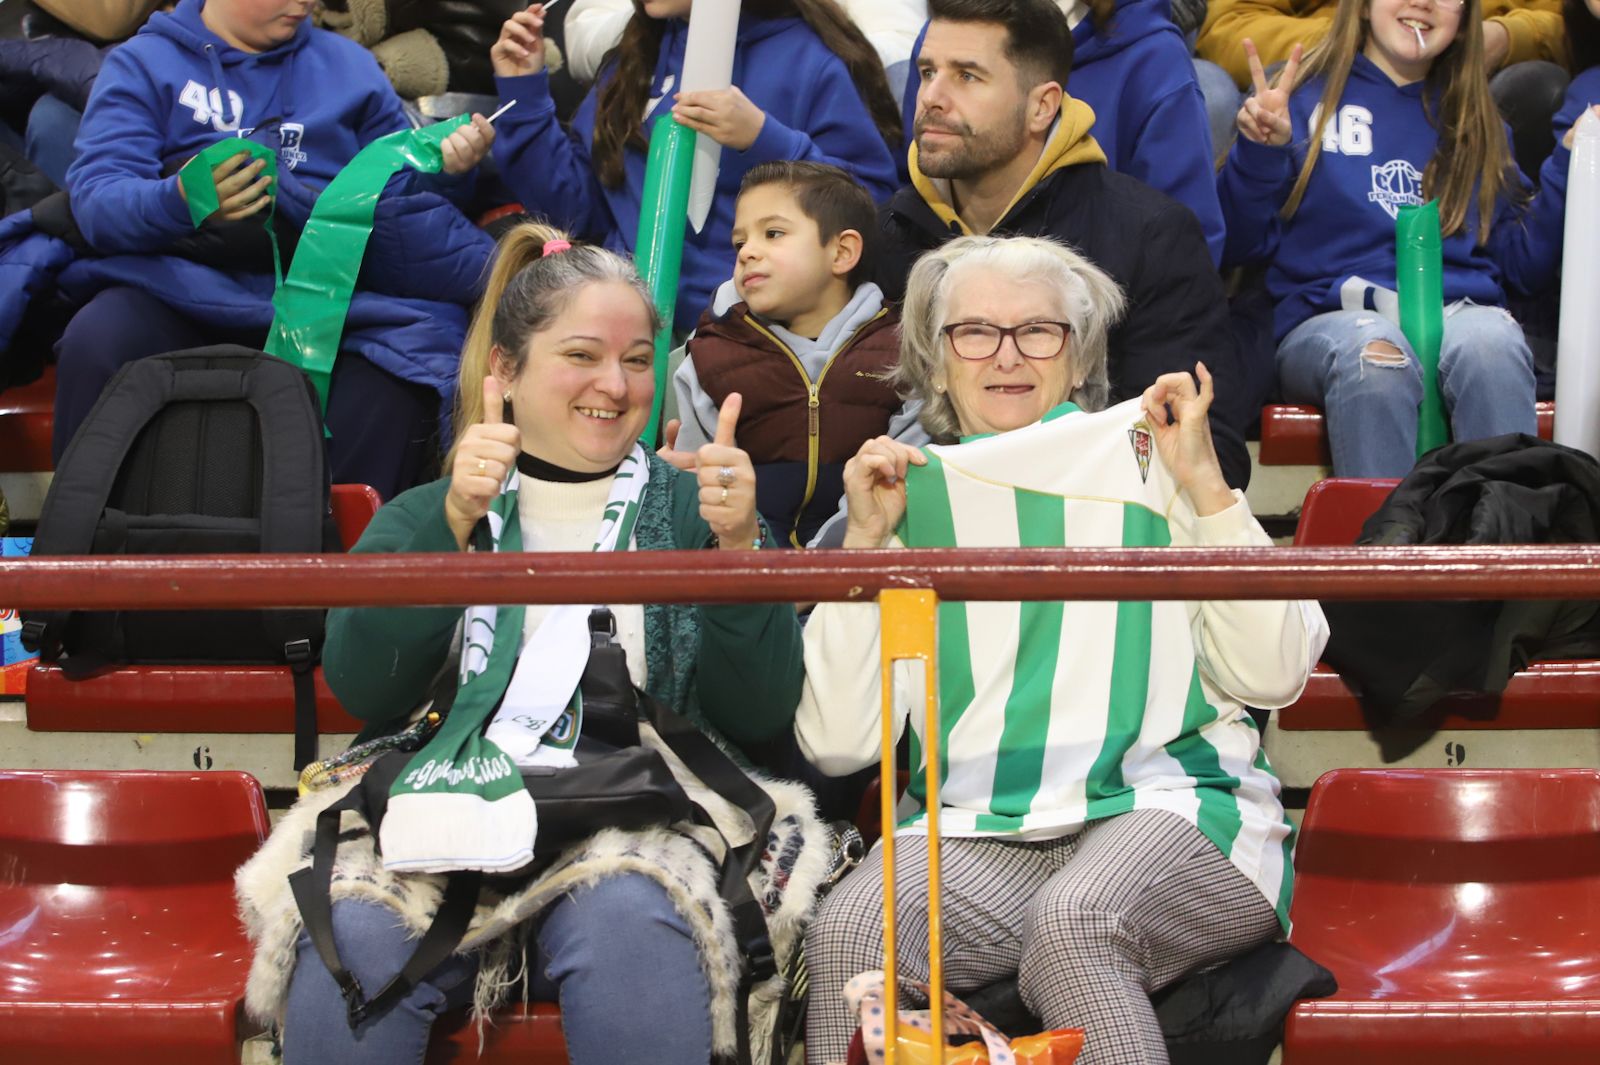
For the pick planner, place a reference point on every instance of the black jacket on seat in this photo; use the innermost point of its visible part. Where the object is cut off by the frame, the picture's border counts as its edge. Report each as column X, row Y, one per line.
column 1511, row 489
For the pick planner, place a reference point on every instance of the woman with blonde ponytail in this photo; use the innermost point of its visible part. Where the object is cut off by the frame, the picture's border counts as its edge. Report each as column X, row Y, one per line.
column 627, row 930
column 1391, row 109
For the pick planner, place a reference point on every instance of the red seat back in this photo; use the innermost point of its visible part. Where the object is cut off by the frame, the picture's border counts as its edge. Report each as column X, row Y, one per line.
column 353, row 508
column 1336, row 508
column 119, row 936
column 1452, row 885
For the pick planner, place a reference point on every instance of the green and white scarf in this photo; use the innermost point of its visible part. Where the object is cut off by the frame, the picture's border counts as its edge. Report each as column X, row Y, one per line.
column 459, row 803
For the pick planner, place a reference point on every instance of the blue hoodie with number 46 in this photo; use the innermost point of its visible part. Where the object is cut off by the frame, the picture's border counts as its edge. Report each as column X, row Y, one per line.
column 1338, row 250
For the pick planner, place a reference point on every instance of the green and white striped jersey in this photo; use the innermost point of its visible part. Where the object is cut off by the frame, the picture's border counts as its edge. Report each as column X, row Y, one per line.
column 1055, row 714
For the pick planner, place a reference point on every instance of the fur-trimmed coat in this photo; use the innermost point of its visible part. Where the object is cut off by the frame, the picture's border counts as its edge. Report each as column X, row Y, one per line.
column 792, row 870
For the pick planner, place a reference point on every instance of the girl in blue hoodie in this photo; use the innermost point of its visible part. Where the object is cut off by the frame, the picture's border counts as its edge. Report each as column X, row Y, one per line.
column 213, row 69
column 1392, row 108
column 806, row 86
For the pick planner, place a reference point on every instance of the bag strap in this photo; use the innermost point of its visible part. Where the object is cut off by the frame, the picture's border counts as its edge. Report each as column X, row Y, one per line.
column 312, row 887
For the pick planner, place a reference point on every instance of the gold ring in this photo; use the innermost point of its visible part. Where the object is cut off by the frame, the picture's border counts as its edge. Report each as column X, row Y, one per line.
column 483, row 465
column 724, row 500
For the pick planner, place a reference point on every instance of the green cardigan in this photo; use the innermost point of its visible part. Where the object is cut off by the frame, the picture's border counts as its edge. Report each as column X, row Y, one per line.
column 733, row 670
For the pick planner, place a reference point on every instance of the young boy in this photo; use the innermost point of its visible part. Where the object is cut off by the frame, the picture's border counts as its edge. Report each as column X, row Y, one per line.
column 257, row 69
column 805, row 339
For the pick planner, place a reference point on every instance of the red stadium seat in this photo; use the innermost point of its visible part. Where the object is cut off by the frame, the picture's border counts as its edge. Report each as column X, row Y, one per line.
column 27, row 417
column 1297, row 435
column 210, row 699
column 1546, row 716
column 119, row 937
column 1457, row 910
column 515, row 1037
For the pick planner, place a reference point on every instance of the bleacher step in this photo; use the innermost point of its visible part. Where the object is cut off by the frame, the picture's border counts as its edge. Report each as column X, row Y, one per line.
column 267, row 757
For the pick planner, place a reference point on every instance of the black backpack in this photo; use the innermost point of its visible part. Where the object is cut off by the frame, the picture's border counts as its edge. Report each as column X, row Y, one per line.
column 216, row 450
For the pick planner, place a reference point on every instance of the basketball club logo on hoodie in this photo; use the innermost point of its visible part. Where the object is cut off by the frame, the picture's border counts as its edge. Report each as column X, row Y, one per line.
column 1396, row 184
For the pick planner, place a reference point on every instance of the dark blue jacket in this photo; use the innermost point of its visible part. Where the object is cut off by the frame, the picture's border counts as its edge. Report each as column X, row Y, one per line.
column 1338, row 251
column 1149, row 116
column 1583, row 91
column 813, row 113
column 176, row 88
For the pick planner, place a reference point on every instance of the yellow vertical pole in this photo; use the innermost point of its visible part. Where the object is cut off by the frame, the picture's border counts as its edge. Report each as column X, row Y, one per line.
column 908, row 628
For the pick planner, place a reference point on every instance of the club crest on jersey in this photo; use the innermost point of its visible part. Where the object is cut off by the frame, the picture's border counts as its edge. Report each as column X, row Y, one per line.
column 1139, row 437
column 1396, row 184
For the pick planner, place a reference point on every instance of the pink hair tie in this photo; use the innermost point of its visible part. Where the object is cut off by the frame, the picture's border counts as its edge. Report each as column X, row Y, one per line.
column 551, row 247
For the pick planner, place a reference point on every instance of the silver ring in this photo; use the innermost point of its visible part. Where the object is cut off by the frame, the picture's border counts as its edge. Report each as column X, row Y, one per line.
column 724, row 500
column 725, row 476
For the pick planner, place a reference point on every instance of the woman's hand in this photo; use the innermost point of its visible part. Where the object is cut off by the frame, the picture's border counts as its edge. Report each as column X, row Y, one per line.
column 466, row 147
column 484, row 456
column 1264, row 118
column 1184, row 439
column 520, row 49
column 1566, row 141
column 241, row 188
column 727, row 483
column 875, row 490
column 725, row 115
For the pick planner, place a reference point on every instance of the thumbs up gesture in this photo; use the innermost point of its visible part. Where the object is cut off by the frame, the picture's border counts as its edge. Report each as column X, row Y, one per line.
column 485, row 453
column 727, row 483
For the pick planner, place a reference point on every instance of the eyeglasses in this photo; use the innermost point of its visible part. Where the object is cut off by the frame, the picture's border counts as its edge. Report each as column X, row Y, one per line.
column 976, row 341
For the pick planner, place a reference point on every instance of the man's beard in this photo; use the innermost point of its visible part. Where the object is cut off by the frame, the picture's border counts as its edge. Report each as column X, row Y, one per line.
column 975, row 153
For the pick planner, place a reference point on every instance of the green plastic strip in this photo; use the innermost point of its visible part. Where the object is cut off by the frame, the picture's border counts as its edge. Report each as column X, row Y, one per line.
column 663, row 220
column 200, row 190
column 311, row 304
column 1419, row 281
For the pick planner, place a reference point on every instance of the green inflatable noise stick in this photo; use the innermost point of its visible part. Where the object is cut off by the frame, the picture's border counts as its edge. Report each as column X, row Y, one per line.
column 663, row 219
column 1419, row 282
column 311, row 304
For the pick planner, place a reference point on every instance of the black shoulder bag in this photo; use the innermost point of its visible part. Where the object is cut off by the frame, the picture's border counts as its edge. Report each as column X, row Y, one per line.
column 617, row 783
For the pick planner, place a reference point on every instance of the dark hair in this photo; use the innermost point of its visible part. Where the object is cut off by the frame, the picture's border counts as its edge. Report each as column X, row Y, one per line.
column 1583, row 35
column 620, row 109
column 1038, row 38
column 828, row 196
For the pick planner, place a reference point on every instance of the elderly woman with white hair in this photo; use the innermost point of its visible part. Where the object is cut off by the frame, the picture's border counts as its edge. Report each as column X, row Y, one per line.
column 1111, row 822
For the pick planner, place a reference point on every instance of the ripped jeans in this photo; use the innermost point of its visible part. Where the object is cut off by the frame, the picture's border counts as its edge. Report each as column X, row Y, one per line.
column 1370, row 397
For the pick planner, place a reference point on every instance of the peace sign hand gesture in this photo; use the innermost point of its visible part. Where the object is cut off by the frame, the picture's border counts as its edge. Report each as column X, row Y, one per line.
column 1264, row 118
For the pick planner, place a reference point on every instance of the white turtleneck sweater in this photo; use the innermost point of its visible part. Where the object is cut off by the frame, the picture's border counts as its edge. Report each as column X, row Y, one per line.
column 565, row 517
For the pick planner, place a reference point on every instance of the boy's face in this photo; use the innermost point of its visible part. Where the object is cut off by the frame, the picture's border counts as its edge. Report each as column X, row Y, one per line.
column 783, row 269
column 257, row 25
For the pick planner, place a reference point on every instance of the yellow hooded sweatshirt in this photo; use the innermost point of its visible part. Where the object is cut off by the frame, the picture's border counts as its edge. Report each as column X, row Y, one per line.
column 1070, row 144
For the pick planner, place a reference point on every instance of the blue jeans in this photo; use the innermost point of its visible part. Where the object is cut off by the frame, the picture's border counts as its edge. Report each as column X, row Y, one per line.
column 1223, row 100
column 1371, row 399
column 52, row 127
column 616, row 955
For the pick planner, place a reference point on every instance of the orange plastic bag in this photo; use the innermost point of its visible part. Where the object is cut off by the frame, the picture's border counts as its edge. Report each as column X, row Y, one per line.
column 914, row 1038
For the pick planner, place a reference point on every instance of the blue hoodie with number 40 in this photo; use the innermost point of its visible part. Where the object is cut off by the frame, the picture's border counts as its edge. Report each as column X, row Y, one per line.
column 176, row 88
column 1338, row 250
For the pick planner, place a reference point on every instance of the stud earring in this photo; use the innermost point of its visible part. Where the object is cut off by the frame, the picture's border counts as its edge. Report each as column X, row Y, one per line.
column 506, row 397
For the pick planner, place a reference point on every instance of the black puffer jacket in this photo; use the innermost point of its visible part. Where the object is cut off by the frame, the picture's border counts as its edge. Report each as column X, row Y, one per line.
column 1511, row 489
